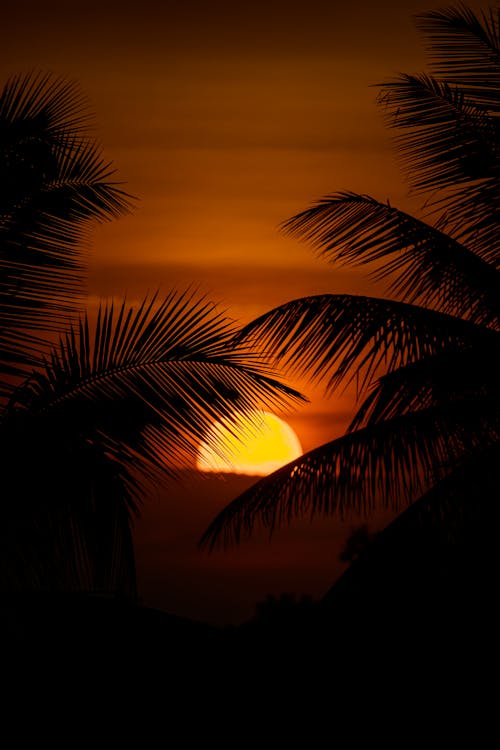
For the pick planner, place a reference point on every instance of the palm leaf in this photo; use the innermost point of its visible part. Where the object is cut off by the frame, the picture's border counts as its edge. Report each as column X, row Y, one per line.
column 113, row 408
column 475, row 212
column 465, row 48
column 433, row 268
column 150, row 382
column 53, row 183
column 449, row 144
column 347, row 337
column 54, row 102
column 447, row 139
column 446, row 377
column 386, row 464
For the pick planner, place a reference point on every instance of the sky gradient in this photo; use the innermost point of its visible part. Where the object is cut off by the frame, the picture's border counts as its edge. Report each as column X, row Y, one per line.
column 225, row 119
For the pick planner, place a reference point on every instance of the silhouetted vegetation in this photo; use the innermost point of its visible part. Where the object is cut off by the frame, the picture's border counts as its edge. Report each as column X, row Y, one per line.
column 424, row 359
column 91, row 412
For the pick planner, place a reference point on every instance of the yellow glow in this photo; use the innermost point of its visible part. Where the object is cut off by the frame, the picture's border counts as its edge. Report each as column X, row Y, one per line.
column 259, row 448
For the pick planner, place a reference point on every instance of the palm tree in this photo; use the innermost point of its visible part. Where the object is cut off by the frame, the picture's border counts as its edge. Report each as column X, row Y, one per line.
column 424, row 359
column 54, row 184
column 89, row 421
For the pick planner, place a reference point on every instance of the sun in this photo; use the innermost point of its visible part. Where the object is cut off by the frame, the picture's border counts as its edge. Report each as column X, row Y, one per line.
column 263, row 444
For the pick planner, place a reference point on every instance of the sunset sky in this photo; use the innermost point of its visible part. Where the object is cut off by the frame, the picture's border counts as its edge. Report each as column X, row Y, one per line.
column 224, row 118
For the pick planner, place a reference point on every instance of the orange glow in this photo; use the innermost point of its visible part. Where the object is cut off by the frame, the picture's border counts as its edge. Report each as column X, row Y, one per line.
column 225, row 119
column 259, row 449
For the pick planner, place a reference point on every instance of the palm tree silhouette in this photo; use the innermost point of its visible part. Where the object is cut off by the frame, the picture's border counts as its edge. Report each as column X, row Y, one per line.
column 425, row 359
column 54, row 184
column 89, row 422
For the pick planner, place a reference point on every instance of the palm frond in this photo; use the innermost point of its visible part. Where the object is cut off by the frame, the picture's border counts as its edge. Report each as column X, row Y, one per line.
column 349, row 337
column 461, row 503
column 55, row 103
column 449, row 145
column 432, row 268
column 465, row 48
column 446, row 138
column 53, row 184
column 113, row 408
column 446, row 377
column 150, row 382
column 387, row 464
column 475, row 214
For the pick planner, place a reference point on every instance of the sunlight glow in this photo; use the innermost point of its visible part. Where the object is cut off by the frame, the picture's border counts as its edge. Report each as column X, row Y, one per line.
column 258, row 450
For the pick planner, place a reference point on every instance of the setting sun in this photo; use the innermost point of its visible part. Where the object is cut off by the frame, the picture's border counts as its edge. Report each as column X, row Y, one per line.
column 259, row 449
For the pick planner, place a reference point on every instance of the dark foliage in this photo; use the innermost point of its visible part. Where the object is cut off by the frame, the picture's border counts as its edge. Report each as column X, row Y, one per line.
column 424, row 359
column 88, row 422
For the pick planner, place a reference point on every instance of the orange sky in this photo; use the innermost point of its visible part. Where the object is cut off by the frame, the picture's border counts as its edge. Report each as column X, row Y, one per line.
column 226, row 118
